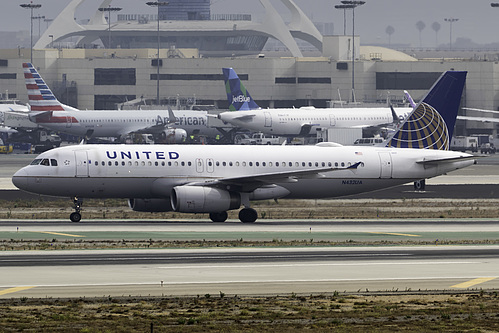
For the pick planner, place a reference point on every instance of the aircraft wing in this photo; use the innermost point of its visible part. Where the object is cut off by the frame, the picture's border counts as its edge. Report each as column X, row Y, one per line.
column 480, row 119
column 250, row 183
column 157, row 128
column 481, row 110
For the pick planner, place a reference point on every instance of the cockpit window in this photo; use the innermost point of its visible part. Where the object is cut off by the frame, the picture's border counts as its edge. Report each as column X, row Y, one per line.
column 44, row 161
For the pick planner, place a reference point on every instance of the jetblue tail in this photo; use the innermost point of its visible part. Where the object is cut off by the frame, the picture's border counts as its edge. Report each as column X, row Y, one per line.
column 41, row 98
column 237, row 95
column 431, row 123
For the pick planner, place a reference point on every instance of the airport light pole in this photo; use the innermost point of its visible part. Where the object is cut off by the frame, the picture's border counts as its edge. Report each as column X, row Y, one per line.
column 109, row 10
column 451, row 20
column 353, row 4
column 31, row 6
column 157, row 4
column 344, row 7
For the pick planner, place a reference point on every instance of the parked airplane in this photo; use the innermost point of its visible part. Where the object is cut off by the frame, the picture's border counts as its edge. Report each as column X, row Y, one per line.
column 305, row 121
column 48, row 112
column 215, row 179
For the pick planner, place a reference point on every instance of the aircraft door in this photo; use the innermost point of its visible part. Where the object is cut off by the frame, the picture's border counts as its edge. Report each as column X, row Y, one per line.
column 81, row 159
column 199, row 165
column 386, row 166
column 268, row 119
column 332, row 120
column 68, row 121
column 210, row 165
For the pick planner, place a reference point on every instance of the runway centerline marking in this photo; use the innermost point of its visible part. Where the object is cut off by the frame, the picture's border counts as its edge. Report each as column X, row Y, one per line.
column 14, row 290
column 57, row 233
column 393, row 234
column 473, row 282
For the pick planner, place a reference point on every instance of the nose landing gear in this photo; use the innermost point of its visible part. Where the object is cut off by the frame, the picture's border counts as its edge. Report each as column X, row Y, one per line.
column 76, row 215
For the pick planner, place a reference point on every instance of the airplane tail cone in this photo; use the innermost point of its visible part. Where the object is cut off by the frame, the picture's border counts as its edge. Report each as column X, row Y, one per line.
column 237, row 95
column 431, row 123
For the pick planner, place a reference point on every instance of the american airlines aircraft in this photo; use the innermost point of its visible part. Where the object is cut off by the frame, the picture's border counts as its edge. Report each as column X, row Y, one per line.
column 305, row 121
column 48, row 112
column 215, row 179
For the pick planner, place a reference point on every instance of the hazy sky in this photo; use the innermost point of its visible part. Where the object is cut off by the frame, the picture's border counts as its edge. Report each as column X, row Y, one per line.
column 477, row 19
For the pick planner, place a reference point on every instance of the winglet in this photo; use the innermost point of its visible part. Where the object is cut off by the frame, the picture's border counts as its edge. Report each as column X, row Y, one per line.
column 40, row 96
column 237, row 95
column 171, row 116
column 431, row 124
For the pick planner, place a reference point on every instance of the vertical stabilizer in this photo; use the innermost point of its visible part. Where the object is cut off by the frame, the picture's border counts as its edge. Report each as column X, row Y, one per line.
column 237, row 95
column 431, row 123
column 40, row 96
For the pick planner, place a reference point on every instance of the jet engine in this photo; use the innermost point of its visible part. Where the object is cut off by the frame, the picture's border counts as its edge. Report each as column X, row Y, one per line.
column 201, row 199
column 150, row 205
column 174, row 135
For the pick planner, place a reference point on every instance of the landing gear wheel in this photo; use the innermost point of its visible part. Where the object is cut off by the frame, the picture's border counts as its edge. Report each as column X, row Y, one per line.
column 419, row 185
column 248, row 215
column 75, row 217
column 219, row 217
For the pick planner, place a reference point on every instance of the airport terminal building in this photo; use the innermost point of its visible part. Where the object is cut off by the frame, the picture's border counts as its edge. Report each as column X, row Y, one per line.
column 104, row 78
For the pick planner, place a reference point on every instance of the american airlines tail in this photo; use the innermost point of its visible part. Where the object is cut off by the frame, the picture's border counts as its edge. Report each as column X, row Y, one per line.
column 41, row 98
column 237, row 95
column 431, row 123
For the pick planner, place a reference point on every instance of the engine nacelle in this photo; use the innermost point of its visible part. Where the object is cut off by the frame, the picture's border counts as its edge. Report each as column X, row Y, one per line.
column 174, row 135
column 201, row 199
column 150, row 205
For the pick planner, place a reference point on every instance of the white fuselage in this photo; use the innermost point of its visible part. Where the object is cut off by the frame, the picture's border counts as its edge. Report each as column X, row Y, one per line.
column 137, row 171
column 113, row 123
column 290, row 122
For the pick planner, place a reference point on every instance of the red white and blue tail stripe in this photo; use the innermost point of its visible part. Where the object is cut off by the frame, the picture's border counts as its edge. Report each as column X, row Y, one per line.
column 40, row 96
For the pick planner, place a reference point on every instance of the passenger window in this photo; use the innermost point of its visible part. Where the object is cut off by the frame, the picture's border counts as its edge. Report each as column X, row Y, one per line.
column 116, row 163
column 109, row 163
column 123, row 163
column 250, row 163
column 96, row 163
column 103, row 163
column 188, row 163
column 156, row 163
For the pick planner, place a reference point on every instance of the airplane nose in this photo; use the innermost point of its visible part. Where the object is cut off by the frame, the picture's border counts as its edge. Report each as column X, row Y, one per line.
column 20, row 179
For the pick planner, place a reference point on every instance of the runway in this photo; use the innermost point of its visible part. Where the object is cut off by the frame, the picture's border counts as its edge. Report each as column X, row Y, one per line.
column 247, row 271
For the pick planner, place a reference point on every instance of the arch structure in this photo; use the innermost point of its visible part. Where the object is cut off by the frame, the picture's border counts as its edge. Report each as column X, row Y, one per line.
column 212, row 38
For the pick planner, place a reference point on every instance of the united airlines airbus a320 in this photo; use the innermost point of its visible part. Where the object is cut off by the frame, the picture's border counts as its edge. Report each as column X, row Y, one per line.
column 215, row 179
column 48, row 112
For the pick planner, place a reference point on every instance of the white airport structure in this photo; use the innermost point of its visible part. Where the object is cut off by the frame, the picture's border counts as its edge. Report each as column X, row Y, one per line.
column 105, row 78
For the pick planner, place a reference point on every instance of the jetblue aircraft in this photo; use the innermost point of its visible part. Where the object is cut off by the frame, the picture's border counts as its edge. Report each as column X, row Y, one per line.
column 305, row 121
column 215, row 179
column 48, row 112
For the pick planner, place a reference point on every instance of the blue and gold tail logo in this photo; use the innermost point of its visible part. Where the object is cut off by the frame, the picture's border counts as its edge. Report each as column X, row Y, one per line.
column 431, row 124
column 425, row 128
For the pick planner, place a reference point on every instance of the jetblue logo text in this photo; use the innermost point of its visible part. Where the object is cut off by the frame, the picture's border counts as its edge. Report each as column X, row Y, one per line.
column 240, row 99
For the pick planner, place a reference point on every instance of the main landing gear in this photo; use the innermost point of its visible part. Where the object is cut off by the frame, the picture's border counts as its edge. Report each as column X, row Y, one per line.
column 76, row 215
column 246, row 215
